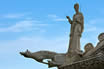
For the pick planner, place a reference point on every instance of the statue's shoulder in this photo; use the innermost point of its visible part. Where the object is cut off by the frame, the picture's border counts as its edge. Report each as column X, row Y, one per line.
column 81, row 13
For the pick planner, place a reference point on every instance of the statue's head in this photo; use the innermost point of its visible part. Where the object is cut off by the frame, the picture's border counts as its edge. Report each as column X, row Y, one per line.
column 76, row 7
column 88, row 47
column 101, row 37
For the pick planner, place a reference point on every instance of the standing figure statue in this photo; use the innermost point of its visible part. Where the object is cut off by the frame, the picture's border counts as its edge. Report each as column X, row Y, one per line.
column 77, row 26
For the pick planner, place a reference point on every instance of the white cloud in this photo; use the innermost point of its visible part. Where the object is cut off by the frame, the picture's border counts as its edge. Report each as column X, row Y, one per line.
column 18, row 27
column 52, row 16
column 94, row 25
column 60, row 19
column 21, row 26
column 56, row 18
column 90, row 29
column 13, row 15
column 96, row 21
column 34, row 44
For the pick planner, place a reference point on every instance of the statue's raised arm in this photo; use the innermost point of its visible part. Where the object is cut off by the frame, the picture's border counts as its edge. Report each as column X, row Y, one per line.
column 70, row 21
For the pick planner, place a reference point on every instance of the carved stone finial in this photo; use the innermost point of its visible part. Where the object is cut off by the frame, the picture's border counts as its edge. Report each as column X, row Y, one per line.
column 101, row 37
column 88, row 47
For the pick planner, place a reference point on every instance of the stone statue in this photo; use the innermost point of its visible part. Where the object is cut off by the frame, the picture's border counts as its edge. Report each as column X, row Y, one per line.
column 92, row 58
column 56, row 59
column 77, row 26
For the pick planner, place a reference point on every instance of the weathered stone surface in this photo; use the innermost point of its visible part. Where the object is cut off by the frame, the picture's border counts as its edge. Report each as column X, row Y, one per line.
column 77, row 26
column 92, row 58
column 90, row 63
column 57, row 59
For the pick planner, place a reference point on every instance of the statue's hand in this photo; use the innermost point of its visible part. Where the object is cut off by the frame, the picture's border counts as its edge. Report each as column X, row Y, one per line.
column 67, row 17
column 70, row 21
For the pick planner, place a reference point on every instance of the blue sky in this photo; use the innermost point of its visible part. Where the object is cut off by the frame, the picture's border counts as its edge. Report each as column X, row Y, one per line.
column 42, row 25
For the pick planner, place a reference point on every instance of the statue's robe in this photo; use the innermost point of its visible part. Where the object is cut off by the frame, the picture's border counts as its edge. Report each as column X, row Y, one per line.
column 76, row 32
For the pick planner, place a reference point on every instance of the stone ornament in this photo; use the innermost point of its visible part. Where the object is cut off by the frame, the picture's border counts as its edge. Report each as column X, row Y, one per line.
column 74, row 58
